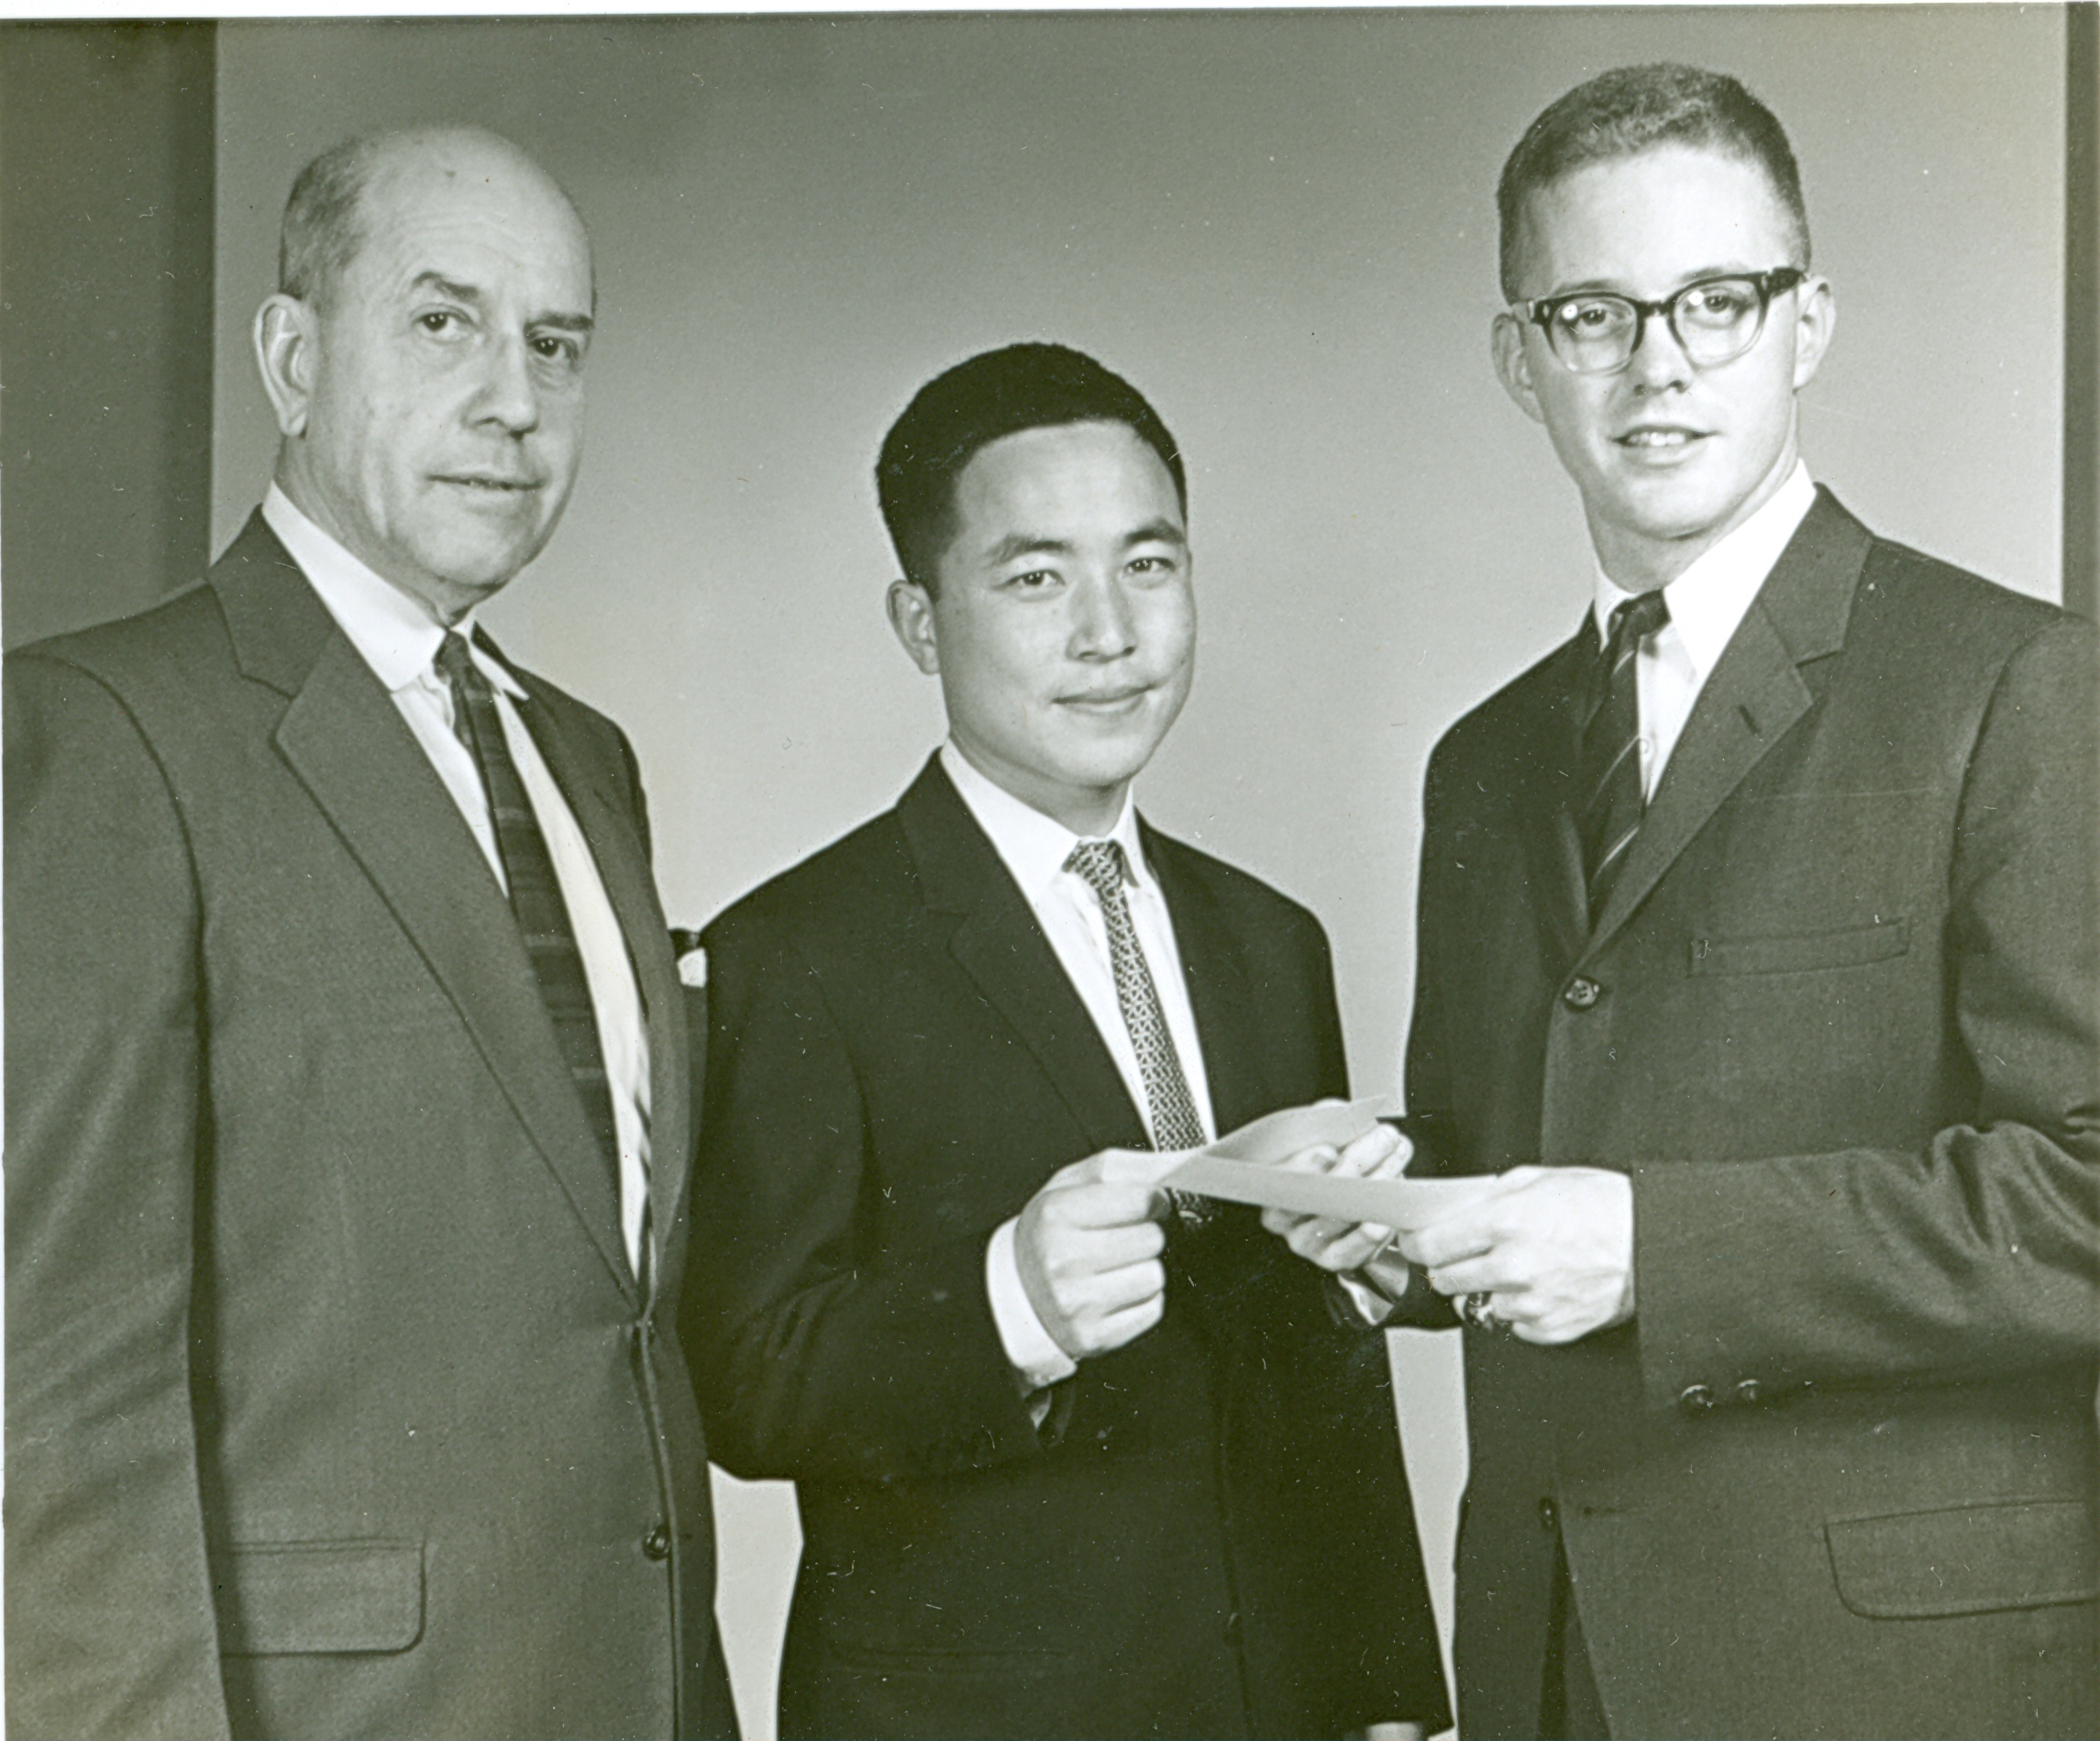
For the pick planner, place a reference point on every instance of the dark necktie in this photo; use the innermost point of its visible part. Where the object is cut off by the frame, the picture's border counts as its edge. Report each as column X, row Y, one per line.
column 1100, row 863
column 1613, row 797
column 535, row 896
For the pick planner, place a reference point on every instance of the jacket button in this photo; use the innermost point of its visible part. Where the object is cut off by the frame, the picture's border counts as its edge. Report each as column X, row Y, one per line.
column 1582, row 994
column 656, row 1544
column 1748, row 1390
column 1235, row 1631
column 1549, row 1514
column 1695, row 1399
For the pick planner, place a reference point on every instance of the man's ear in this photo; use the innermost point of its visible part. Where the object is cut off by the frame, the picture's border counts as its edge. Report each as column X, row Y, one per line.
column 1513, row 365
column 1814, row 327
column 911, row 609
column 285, row 352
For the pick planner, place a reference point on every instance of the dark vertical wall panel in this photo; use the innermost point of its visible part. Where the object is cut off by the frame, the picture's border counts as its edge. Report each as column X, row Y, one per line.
column 106, row 222
column 2082, row 313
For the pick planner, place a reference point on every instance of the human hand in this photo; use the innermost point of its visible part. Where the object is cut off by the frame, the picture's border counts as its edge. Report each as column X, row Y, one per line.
column 1553, row 1247
column 1088, row 1248
column 1341, row 1246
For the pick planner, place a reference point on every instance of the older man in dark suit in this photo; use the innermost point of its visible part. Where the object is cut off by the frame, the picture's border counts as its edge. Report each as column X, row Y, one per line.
column 1063, row 1472
column 346, row 1067
column 1758, row 941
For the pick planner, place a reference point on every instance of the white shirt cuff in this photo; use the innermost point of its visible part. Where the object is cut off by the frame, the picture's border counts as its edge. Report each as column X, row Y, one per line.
column 1030, row 1349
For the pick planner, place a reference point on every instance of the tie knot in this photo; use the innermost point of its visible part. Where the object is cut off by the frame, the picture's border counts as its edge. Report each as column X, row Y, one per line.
column 1637, row 618
column 455, row 660
column 1100, row 864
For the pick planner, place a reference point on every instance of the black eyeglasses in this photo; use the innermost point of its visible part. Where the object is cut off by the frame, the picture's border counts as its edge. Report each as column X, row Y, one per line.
column 1595, row 332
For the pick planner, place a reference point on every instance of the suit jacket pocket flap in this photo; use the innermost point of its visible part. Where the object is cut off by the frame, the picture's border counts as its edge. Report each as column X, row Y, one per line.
column 284, row 1598
column 1854, row 945
column 1966, row 1559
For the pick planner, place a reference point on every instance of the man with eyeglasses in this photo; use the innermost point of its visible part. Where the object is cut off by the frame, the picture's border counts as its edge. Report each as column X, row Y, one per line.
column 1758, row 959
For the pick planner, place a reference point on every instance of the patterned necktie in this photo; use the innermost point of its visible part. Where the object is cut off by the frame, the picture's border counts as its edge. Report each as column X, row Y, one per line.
column 1100, row 863
column 535, row 896
column 1613, row 797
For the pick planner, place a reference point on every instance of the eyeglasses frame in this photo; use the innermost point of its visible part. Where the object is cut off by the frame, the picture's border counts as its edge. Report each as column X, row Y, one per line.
column 1772, row 283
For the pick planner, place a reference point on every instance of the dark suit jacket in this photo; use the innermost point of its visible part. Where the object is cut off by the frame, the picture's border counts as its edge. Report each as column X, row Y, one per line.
column 1211, row 1535
column 332, row 1406
column 1837, row 1476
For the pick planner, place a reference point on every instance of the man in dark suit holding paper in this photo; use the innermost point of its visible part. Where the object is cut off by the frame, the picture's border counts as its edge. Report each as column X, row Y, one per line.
column 1758, row 958
column 1072, row 1461
column 348, row 1114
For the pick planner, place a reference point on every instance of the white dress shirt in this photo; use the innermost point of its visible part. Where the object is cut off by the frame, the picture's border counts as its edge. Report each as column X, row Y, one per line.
column 1707, row 602
column 1033, row 848
column 399, row 639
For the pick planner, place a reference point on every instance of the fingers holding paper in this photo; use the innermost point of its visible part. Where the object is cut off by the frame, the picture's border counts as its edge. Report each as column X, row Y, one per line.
column 1088, row 1248
column 1339, row 1245
column 1552, row 1246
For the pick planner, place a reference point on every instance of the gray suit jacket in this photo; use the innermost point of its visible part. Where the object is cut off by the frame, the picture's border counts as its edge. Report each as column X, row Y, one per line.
column 1837, row 1478
column 333, row 1408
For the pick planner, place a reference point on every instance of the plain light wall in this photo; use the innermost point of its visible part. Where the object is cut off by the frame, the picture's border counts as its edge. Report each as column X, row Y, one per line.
column 1280, row 227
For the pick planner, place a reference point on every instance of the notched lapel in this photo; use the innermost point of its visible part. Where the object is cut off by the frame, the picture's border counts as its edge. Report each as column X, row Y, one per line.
column 1755, row 694
column 1221, row 991
column 343, row 737
column 998, row 943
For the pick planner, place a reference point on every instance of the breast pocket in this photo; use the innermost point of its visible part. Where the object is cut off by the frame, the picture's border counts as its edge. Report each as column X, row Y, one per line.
column 1801, row 952
column 319, row 1598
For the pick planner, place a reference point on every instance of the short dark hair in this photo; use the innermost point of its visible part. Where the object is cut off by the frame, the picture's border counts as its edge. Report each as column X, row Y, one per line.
column 323, row 220
column 1631, row 110
column 996, row 394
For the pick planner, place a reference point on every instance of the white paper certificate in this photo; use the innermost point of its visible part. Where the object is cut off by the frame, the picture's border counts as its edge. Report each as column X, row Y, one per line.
column 1246, row 1167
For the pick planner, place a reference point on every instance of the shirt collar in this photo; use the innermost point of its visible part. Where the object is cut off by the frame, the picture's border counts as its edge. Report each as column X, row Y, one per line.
column 1709, row 601
column 393, row 633
column 1033, row 846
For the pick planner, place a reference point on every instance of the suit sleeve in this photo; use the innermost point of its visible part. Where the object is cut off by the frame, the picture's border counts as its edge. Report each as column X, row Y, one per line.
column 817, row 1355
column 110, row 1624
column 1978, row 1253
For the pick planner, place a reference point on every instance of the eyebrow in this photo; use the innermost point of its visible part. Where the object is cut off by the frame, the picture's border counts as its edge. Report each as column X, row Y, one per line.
column 471, row 294
column 1018, row 544
column 1157, row 532
column 1607, row 287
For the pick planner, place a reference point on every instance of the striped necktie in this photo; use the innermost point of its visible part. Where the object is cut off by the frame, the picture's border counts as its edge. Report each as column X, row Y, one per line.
column 1613, row 797
column 535, row 894
column 1100, row 864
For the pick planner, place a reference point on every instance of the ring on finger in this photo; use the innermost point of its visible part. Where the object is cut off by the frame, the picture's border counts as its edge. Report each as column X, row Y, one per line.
column 1478, row 1311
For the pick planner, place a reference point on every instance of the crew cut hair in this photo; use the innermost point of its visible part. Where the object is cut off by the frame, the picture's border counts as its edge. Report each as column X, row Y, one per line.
column 323, row 220
column 1632, row 109
column 993, row 394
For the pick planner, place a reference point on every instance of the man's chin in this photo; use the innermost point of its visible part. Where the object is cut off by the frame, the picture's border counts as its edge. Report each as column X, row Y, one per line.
column 477, row 568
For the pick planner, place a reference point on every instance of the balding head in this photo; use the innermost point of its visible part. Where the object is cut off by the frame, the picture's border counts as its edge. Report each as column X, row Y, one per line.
column 327, row 218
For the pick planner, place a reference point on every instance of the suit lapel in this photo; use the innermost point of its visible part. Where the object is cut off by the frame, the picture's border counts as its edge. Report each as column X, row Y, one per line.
column 997, row 942
column 1755, row 693
column 589, row 784
column 342, row 736
column 1221, row 994
column 1544, row 781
